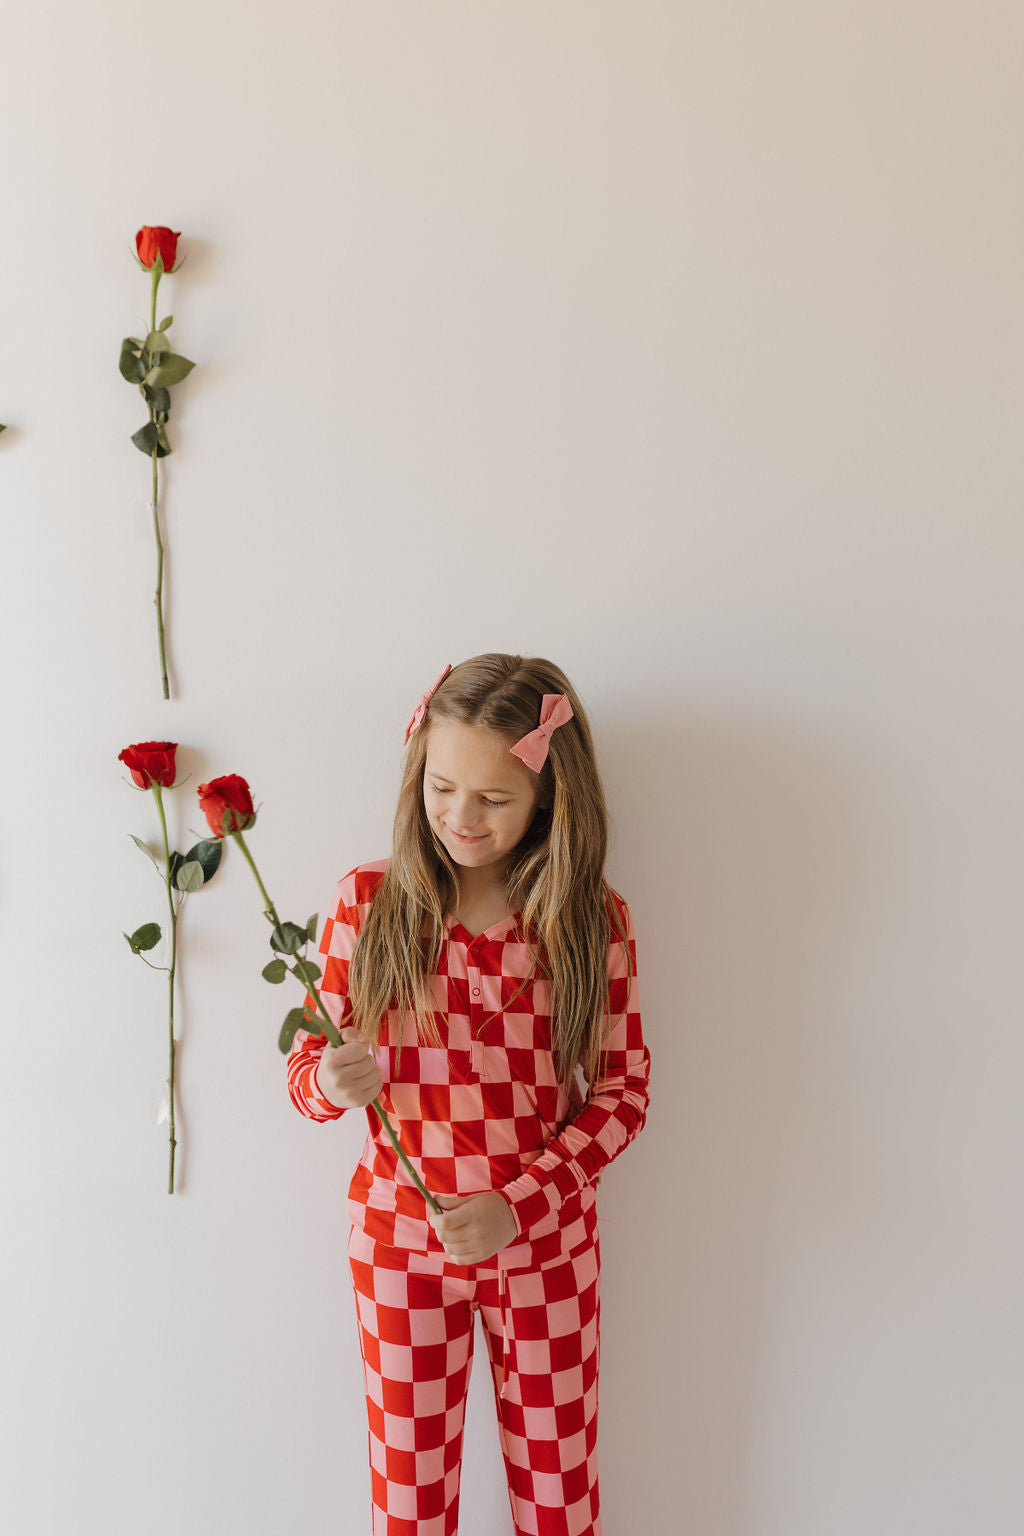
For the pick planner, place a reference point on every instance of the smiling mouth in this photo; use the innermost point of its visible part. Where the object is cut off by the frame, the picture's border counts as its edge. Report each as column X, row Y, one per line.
column 460, row 839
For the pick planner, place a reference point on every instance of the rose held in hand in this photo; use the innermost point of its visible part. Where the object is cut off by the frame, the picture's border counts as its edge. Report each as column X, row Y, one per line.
column 348, row 1074
column 227, row 805
column 157, row 240
column 351, row 1069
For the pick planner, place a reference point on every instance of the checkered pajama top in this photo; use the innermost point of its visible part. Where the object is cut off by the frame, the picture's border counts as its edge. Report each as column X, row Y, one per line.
column 485, row 1111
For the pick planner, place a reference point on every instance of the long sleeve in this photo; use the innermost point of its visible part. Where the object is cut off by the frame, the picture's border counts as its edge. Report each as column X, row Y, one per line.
column 615, row 1108
column 336, row 946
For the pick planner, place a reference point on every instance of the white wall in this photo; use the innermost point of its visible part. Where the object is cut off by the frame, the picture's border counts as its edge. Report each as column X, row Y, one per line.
column 681, row 344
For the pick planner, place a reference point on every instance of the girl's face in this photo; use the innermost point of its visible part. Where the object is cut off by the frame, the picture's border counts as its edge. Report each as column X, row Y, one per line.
column 479, row 799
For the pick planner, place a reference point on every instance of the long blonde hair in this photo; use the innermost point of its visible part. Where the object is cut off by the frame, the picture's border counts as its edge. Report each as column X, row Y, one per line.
column 555, row 875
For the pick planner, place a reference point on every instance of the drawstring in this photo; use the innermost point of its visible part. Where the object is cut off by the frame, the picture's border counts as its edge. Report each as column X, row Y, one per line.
column 503, row 1314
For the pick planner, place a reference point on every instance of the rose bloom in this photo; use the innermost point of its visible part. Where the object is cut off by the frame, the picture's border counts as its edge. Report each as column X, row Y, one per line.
column 150, row 762
column 227, row 804
column 154, row 241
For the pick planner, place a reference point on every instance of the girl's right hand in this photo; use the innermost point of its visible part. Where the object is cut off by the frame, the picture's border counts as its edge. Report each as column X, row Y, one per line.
column 348, row 1074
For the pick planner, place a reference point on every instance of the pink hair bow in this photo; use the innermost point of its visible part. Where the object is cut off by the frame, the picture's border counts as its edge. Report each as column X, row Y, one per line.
column 419, row 713
column 532, row 749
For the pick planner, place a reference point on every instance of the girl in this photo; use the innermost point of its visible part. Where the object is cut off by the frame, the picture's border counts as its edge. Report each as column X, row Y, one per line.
column 485, row 979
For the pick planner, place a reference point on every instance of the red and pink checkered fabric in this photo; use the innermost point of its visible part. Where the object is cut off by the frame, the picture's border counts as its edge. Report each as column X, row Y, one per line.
column 485, row 1111
column 416, row 1318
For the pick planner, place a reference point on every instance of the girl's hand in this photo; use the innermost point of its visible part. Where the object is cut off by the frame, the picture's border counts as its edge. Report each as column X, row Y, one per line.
column 347, row 1074
column 474, row 1227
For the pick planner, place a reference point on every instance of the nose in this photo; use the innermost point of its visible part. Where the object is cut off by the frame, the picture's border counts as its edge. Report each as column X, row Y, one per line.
column 465, row 815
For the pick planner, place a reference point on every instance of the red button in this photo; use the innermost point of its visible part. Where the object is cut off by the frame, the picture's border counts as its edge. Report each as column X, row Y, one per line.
column 476, row 991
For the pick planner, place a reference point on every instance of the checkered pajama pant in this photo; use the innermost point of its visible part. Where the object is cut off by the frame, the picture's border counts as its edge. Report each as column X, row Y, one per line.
column 416, row 1317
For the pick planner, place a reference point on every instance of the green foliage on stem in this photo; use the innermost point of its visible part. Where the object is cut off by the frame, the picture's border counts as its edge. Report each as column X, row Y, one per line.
column 288, row 939
column 158, row 399
column 308, row 973
column 130, row 364
column 274, row 971
column 189, row 876
column 165, row 323
column 207, row 853
column 146, row 937
column 191, row 871
column 145, row 849
column 170, row 370
column 156, row 343
column 295, row 1019
column 311, row 927
column 148, row 437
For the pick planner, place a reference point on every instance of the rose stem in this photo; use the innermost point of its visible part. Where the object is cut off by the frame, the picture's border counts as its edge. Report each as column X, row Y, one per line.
column 158, row 267
column 334, row 1038
column 170, row 975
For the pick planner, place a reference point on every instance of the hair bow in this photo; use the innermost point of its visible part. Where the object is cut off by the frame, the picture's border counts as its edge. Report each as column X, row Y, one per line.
column 532, row 749
column 419, row 713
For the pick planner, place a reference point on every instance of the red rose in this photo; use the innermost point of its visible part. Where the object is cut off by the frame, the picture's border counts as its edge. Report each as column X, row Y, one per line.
column 150, row 762
column 227, row 804
column 157, row 241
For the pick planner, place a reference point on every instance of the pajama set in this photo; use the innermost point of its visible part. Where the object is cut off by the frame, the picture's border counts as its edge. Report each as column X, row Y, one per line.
column 485, row 1111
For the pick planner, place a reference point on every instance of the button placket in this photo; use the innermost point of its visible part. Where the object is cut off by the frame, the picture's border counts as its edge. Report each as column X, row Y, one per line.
column 475, row 989
column 476, row 1013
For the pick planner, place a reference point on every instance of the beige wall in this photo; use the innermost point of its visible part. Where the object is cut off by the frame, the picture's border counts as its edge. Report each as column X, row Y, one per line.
column 681, row 343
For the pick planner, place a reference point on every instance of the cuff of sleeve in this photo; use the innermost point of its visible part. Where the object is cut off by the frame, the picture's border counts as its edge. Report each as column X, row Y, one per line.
column 538, row 1193
column 318, row 1105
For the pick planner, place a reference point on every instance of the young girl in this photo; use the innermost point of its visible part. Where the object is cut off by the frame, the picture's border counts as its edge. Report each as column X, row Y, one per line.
column 486, row 979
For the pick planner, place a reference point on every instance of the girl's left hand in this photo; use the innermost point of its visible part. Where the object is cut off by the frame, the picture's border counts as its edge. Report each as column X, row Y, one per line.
column 474, row 1227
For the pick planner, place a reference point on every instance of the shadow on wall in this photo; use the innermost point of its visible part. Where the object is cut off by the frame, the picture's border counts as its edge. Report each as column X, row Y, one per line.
column 743, row 843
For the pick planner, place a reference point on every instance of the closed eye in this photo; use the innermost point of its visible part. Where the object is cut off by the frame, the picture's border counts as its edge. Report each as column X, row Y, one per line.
column 444, row 789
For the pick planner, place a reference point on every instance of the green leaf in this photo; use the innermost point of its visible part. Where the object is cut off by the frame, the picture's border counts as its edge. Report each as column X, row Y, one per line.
column 169, row 320
column 159, row 399
column 295, row 1019
column 2, row 427
column 288, row 939
column 146, row 937
column 308, row 973
column 275, row 971
column 189, row 875
column 131, row 367
column 156, row 343
column 170, row 370
column 132, row 341
column 207, row 854
column 163, row 441
column 147, row 438
column 311, row 927
column 146, row 849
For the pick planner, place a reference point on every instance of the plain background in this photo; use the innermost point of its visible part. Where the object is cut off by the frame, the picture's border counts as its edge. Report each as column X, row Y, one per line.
column 681, row 343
